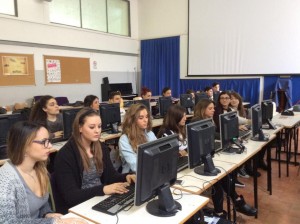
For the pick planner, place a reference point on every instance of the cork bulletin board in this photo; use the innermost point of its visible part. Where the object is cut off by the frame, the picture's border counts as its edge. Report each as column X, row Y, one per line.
column 16, row 69
column 66, row 70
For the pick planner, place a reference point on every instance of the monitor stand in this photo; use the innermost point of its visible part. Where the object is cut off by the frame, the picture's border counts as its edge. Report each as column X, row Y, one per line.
column 271, row 125
column 188, row 110
column 209, row 168
column 261, row 137
column 113, row 128
column 165, row 205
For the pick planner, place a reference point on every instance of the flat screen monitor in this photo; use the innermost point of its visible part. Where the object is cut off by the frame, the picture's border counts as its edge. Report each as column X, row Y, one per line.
column 164, row 104
column 201, row 144
column 256, row 123
column 111, row 117
column 144, row 102
column 200, row 96
column 186, row 101
column 156, row 172
column 124, row 88
column 6, row 121
column 68, row 119
column 267, row 113
column 229, row 131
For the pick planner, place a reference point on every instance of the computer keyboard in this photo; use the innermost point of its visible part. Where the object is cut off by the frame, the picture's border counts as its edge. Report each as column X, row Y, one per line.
column 182, row 163
column 244, row 134
column 116, row 202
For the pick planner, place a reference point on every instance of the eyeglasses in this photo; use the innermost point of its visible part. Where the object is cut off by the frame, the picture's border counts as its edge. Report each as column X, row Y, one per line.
column 224, row 98
column 44, row 142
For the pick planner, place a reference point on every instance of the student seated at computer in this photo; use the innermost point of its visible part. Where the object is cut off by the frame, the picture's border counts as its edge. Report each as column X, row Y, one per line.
column 91, row 101
column 136, row 130
column 216, row 87
column 174, row 123
column 223, row 106
column 115, row 97
column 46, row 112
column 236, row 104
column 166, row 92
column 146, row 93
column 24, row 179
column 209, row 92
column 83, row 168
column 205, row 109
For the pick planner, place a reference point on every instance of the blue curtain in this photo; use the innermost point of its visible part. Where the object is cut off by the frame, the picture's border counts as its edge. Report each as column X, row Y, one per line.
column 160, row 64
column 270, row 85
column 247, row 88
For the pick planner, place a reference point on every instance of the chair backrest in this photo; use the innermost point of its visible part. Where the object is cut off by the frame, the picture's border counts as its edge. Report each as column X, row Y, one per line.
column 3, row 152
column 52, row 192
column 62, row 100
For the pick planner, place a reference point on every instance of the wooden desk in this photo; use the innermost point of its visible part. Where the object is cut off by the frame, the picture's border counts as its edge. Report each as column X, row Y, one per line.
column 190, row 205
column 290, row 124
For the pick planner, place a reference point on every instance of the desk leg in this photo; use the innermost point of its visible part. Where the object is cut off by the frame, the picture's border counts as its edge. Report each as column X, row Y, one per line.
column 296, row 138
column 228, row 197
column 255, row 161
column 278, row 148
column 269, row 168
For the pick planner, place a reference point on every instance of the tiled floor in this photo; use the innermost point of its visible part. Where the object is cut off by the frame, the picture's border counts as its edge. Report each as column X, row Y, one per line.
column 283, row 206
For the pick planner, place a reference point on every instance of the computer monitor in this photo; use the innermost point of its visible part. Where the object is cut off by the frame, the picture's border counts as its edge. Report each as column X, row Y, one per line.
column 164, row 104
column 68, row 119
column 256, row 123
column 186, row 101
column 144, row 102
column 156, row 172
column 111, row 117
column 267, row 114
column 201, row 143
column 229, row 131
column 6, row 121
column 200, row 96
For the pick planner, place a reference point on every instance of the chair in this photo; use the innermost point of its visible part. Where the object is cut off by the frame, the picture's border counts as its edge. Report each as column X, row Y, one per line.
column 62, row 100
column 3, row 152
column 52, row 192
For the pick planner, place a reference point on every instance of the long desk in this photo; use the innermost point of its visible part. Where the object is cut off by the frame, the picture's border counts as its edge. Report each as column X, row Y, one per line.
column 290, row 124
column 190, row 205
column 196, row 184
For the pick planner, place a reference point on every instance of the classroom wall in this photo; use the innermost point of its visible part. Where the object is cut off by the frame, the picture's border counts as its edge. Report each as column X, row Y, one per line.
column 31, row 33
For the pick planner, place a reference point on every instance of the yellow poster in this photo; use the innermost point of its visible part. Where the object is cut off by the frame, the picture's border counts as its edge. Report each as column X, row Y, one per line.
column 15, row 65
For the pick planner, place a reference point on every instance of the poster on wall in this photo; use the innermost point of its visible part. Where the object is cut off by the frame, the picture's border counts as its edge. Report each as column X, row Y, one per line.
column 15, row 65
column 53, row 70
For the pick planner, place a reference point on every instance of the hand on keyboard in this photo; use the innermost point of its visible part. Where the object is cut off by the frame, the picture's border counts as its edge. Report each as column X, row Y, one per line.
column 243, row 127
column 116, row 188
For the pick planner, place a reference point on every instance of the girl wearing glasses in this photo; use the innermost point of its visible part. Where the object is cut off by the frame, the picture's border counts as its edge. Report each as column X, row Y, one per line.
column 24, row 179
column 83, row 168
column 174, row 122
column 222, row 107
column 136, row 127
column 46, row 113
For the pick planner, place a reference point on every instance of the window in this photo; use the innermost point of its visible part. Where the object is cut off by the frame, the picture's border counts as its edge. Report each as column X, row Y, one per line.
column 111, row 16
column 118, row 17
column 8, row 7
column 65, row 12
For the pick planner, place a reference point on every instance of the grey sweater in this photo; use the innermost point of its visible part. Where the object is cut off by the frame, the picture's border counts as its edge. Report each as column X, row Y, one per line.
column 14, row 208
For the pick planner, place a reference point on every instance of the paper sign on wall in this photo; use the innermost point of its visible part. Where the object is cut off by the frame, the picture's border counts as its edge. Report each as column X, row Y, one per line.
column 53, row 70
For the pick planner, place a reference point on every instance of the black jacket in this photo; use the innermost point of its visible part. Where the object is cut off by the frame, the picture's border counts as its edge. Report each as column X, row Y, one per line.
column 68, row 172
